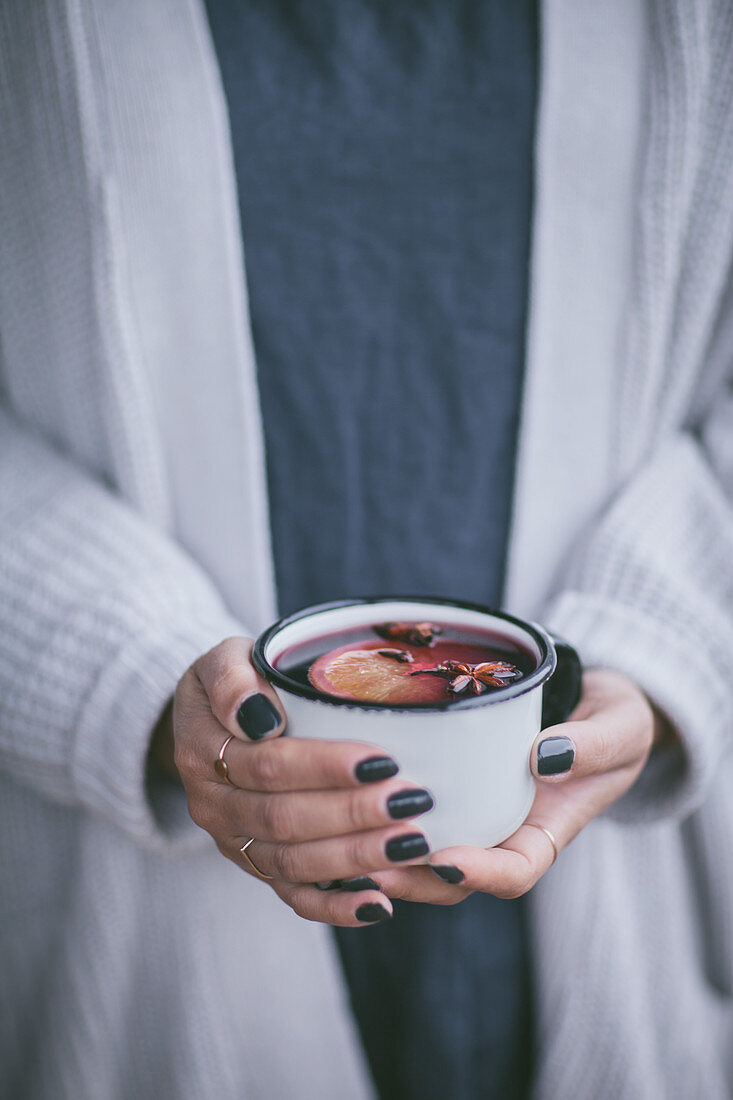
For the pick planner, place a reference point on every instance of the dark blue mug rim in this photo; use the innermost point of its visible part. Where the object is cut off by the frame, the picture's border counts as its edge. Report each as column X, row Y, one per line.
column 543, row 671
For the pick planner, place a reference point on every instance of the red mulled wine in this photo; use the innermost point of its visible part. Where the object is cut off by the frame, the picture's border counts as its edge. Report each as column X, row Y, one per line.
column 407, row 663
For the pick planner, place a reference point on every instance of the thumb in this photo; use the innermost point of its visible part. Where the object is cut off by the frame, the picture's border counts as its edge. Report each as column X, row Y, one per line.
column 554, row 752
column 611, row 729
column 240, row 699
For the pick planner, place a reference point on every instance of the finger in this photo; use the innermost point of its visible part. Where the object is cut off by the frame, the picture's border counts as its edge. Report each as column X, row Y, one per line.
column 345, row 910
column 241, row 700
column 355, row 906
column 299, row 764
column 337, row 857
column 617, row 735
column 361, row 882
column 279, row 764
column 420, row 884
column 298, row 816
column 507, row 871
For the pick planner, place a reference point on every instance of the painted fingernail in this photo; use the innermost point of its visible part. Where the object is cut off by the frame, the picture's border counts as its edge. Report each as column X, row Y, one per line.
column 370, row 912
column 555, row 755
column 363, row 882
column 335, row 884
column 409, row 803
column 407, row 846
column 375, row 768
column 448, row 873
column 257, row 717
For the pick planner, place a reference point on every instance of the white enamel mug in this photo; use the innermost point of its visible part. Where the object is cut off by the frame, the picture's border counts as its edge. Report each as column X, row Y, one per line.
column 473, row 754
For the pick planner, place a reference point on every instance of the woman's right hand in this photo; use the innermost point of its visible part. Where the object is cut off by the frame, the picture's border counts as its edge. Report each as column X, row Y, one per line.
column 320, row 811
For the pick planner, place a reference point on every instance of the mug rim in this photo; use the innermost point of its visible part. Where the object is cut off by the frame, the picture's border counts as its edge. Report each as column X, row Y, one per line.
column 543, row 671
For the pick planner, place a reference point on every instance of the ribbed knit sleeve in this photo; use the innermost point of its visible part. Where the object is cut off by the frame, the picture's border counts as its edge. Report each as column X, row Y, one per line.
column 100, row 616
column 650, row 593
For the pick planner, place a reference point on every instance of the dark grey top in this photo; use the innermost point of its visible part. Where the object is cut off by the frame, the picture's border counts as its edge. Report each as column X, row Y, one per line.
column 384, row 161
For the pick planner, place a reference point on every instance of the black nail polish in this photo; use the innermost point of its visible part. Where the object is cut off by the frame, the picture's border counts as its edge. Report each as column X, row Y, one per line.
column 334, row 884
column 555, row 755
column 448, row 873
column 371, row 912
column 409, row 803
column 407, row 846
column 363, row 882
column 375, row 768
column 258, row 717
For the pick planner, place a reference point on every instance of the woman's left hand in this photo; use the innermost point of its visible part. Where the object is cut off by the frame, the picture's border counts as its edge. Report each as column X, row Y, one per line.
column 602, row 749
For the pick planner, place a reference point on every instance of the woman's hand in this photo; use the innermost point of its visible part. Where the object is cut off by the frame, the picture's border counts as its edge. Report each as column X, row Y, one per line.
column 582, row 766
column 319, row 811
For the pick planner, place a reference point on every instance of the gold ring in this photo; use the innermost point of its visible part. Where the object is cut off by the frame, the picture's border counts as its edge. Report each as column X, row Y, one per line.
column 248, row 857
column 220, row 764
column 549, row 836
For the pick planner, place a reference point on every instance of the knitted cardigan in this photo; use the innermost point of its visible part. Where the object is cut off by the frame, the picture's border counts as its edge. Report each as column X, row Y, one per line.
column 134, row 535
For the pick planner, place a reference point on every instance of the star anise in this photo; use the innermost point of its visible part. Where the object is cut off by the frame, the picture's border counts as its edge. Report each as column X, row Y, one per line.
column 400, row 655
column 474, row 678
column 412, row 633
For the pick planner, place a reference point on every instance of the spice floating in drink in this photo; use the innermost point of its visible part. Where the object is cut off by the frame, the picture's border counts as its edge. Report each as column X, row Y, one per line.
column 401, row 655
column 472, row 679
column 415, row 633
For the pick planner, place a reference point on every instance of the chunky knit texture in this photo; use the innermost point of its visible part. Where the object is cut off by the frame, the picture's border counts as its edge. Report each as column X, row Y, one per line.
column 134, row 536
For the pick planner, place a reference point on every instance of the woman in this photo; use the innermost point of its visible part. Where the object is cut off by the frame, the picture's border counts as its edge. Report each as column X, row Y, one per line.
column 135, row 539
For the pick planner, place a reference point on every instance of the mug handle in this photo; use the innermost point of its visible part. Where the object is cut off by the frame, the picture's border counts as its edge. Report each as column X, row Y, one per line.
column 562, row 691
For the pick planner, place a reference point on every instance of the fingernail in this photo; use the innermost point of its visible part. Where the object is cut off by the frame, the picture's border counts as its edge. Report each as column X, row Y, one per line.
column 375, row 768
column 555, row 755
column 409, row 803
column 448, row 873
column 407, row 846
column 335, row 884
column 370, row 912
column 363, row 882
column 258, row 717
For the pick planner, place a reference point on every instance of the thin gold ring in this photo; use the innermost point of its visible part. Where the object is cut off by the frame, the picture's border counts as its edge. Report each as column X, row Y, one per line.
column 220, row 765
column 549, row 836
column 248, row 857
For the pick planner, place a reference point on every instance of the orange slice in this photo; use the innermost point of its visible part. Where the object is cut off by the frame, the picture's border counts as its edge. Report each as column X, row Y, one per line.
column 366, row 676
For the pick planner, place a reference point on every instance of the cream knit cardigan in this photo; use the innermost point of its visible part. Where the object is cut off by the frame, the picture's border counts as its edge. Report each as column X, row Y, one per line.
column 137, row 962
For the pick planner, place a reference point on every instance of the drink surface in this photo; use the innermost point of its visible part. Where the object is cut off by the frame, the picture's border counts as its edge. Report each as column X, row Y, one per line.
column 406, row 663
